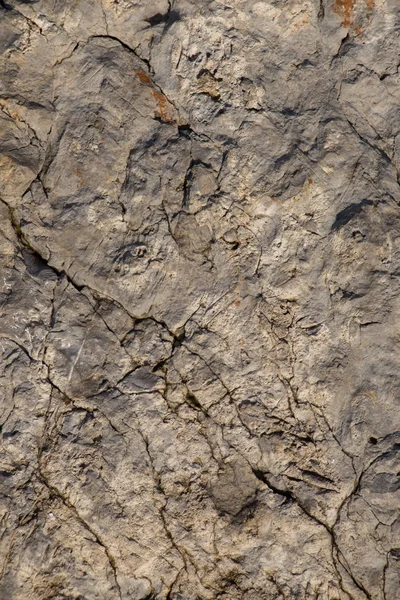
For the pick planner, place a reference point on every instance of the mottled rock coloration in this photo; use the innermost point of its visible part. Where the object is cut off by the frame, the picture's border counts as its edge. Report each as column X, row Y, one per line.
column 200, row 299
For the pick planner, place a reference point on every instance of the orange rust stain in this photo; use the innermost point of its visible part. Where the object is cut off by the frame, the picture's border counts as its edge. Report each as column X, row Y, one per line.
column 164, row 110
column 79, row 175
column 143, row 78
column 370, row 8
column 345, row 8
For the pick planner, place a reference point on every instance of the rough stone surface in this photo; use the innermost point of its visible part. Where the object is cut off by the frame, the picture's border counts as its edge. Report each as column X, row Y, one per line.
column 200, row 299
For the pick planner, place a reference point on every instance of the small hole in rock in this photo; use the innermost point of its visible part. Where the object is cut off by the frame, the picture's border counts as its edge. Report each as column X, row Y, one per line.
column 373, row 441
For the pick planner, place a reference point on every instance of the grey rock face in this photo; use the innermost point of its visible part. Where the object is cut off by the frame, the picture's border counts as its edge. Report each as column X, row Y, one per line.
column 200, row 278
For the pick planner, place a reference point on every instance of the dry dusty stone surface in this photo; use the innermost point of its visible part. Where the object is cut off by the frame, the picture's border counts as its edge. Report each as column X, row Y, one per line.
column 200, row 299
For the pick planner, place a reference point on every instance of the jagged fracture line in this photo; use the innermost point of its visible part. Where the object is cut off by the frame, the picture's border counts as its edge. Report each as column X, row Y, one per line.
column 71, row 372
column 285, row 493
column 66, row 501
column 24, row 242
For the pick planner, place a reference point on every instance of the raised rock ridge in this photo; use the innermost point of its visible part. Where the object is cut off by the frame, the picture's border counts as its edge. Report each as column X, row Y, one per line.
column 199, row 325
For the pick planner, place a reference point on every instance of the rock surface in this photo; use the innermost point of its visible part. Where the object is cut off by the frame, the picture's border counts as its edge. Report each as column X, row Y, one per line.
column 200, row 299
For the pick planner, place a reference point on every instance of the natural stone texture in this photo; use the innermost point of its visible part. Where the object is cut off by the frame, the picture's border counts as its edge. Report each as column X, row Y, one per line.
column 200, row 260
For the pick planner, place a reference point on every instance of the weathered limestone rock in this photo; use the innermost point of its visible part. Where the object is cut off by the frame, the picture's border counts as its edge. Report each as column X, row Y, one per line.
column 200, row 300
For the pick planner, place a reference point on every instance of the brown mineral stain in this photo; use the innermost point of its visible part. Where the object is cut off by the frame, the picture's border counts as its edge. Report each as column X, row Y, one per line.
column 164, row 111
column 370, row 8
column 143, row 78
column 79, row 175
column 345, row 9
